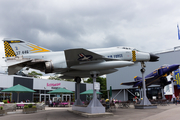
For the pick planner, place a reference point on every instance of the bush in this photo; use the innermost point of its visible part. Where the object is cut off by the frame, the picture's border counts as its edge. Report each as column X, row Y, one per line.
column 1, row 107
column 33, row 106
column 30, row 105
column 26, row 106
column 5, row 101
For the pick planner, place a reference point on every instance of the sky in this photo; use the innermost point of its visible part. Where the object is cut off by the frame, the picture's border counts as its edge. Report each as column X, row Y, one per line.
column 63, row 24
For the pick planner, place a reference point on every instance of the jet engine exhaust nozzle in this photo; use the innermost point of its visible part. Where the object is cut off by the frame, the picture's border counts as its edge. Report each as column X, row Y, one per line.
column 153, row 58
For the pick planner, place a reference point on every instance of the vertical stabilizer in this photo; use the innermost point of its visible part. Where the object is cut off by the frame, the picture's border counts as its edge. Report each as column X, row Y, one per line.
column 15, row 47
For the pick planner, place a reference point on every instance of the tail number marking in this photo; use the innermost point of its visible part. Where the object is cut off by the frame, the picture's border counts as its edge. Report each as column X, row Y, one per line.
column 22, row 52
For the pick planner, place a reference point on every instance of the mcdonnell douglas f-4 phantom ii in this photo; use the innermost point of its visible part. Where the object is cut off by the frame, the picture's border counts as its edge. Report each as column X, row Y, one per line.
column 70, row 63
column 157, row 77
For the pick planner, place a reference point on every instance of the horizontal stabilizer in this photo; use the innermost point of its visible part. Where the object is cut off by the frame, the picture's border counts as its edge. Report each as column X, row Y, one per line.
column 15, row 61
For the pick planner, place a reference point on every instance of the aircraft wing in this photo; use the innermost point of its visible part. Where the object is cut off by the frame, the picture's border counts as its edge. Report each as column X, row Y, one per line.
column 77, row 56
column 159, row 81
column 139, row 82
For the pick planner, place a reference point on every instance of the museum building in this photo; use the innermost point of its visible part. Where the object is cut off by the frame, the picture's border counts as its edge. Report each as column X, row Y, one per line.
column 41, row 86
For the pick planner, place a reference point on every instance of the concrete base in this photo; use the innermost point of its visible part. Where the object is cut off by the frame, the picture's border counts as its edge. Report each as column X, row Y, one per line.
column 145, row 106
column 91, row 110
column 92, row 115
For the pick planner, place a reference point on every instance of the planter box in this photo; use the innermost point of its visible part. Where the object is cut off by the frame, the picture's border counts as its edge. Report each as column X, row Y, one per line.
column 2, row 112
column 9, row 107
column 29, row 110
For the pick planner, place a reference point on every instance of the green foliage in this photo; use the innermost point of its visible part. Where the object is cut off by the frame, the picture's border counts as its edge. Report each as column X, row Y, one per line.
column 30, row 105
column 5, row 101
column 73, row 99
column 35, row 74
column 33, row 106
column 56, row 77
column 25, row 107
column 1, row 107
column 71, row 80
column 102, row 82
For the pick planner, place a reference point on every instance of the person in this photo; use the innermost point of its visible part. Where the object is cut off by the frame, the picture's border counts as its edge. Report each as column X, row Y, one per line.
column 135, row 99
column 177, row 100
column 68, row 103
column 107, row 104
column 112, row 101
column 8, row 101
column 174, row 98
column 50, row 103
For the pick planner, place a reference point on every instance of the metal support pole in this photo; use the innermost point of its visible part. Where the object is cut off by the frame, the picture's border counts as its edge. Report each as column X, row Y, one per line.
column 162, row 91
column 78, row 100
column 172, row 83
column 140, row 94
column 108, row 94
column 130, row 92
column 17, row 97
column 117, row 94
column 94, row 102
column 40, row 98
column 124, row 94
column 145, row 100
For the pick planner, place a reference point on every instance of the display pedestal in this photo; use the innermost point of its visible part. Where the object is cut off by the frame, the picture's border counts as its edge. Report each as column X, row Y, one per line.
column 94, row 106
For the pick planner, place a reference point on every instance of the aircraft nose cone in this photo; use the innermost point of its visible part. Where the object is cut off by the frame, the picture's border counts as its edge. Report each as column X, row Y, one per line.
column 153, row 57
column 174, row 67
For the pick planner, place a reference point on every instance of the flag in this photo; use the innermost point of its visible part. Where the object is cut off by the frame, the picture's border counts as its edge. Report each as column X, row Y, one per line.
column 178, row 32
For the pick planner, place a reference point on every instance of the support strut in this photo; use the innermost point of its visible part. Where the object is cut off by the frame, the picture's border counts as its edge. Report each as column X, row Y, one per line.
column 145, row 100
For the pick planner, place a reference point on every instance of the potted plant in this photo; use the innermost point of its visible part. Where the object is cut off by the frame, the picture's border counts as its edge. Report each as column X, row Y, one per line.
column 29, row 109
column 2, row 112
column 5, row 101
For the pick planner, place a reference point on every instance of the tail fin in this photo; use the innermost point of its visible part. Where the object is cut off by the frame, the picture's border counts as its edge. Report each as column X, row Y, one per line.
column 15, row 47
column 137, row 78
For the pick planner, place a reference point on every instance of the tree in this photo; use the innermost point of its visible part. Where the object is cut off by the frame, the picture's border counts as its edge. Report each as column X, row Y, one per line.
column 56, row 77
column 102, row 82
column 35, row 74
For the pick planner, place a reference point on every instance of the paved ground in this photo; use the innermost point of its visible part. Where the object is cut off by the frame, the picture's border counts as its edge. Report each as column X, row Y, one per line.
column 161, row 113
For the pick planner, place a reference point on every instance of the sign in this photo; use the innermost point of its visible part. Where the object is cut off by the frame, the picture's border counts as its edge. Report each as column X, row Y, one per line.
column 53, row 84
column 177, row 78
column 55, row 87
column 96, row 86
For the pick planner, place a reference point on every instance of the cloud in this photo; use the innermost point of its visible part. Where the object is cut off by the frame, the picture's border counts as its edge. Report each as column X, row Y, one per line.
column 59, row 25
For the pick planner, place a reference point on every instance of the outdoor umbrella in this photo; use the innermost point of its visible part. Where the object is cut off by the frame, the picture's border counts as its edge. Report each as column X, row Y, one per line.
column 18, row 88
column 110, row 92
column 89, row 92
column 60, row 91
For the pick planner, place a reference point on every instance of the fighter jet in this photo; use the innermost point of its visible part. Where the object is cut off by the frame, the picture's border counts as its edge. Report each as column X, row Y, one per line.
column 157, row 77
column 70, row 63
